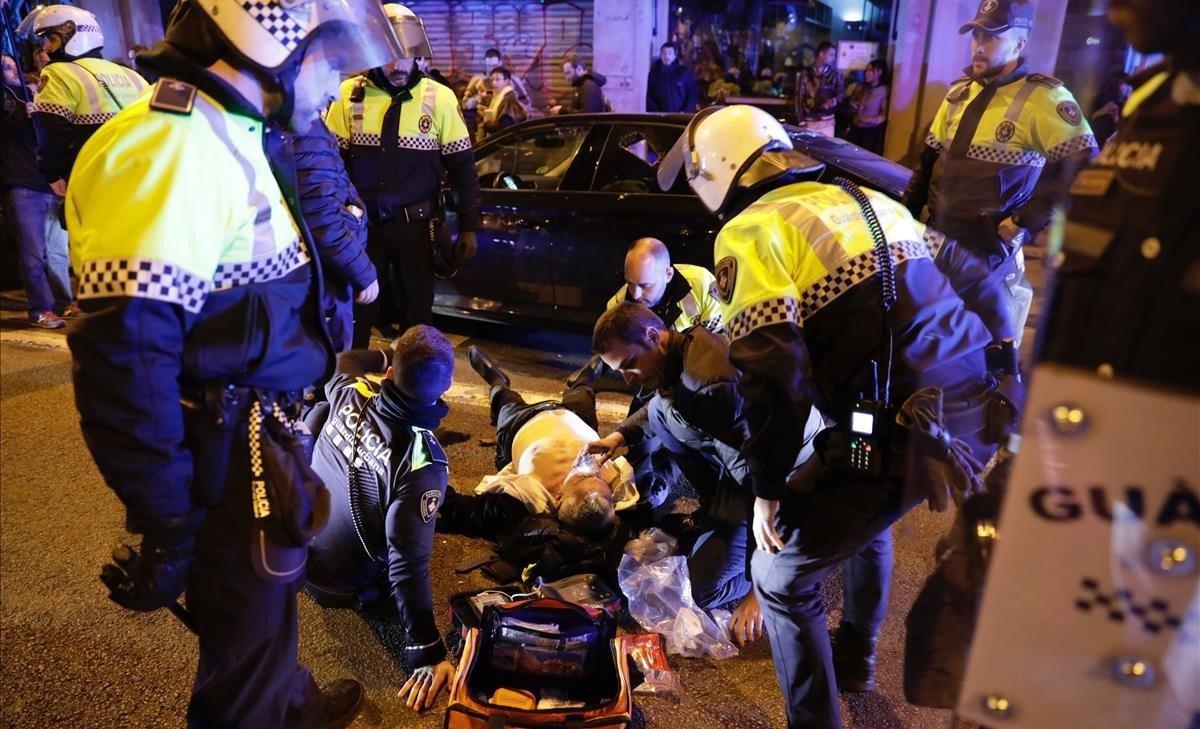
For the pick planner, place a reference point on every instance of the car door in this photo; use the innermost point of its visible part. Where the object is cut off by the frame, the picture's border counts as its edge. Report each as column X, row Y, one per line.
column 520, row 174
column 623, row 203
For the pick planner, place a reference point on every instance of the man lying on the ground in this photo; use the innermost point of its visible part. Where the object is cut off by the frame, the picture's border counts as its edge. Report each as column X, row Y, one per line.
column 387, row 474
column 696, row 416
column 537, row 451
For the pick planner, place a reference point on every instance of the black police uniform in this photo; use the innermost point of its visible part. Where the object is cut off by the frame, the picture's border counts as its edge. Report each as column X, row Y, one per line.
column 1126, row 296
column 400, row 144
column 388, row 475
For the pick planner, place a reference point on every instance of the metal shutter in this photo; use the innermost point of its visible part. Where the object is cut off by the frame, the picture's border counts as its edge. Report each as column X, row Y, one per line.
column 532, row 39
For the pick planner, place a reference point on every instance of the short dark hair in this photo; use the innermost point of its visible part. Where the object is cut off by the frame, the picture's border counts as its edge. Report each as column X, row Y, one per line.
column 502, row 71
column 574, row 59
column 626, row 322
column 423, row 365
column 492, row 53
column 672, row 45
column 824, row 46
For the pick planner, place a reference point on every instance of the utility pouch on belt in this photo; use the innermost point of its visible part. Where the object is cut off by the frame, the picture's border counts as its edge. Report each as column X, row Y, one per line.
column 290, row 503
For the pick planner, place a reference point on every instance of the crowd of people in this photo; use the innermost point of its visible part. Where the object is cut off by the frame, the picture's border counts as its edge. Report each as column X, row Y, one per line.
column 847, row 358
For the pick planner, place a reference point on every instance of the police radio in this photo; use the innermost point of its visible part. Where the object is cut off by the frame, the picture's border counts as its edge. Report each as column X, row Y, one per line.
column 867, row 425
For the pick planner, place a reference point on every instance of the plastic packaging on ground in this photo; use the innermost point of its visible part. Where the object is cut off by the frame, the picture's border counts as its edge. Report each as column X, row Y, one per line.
column 660, row 598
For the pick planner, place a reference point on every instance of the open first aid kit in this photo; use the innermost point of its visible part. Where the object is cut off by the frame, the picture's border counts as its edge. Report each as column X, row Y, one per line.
column 541, row 662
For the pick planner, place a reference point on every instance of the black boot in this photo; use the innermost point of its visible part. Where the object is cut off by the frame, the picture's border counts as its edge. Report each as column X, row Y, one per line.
column 343, row 700
column 486, row 367
column 586, row 374
column 853, row 659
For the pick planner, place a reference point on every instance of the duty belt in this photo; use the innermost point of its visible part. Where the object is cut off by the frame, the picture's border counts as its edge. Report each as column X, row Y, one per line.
column 414, row 213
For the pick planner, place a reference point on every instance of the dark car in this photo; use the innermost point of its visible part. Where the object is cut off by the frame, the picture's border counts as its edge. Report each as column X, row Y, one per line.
column 563, row 197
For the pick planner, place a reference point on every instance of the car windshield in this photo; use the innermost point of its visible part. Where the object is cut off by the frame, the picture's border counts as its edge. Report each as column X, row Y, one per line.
column 535, row 159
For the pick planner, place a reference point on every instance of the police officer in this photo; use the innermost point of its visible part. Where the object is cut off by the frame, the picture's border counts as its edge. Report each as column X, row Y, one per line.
column 680, row 294
column 202, row 295
column 402, row 134
column 1126, row 300
column 388, row 475
column 78, row 90
column 997, row 158
column 804, row 283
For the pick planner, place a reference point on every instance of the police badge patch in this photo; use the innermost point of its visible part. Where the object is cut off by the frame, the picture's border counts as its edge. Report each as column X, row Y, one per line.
column 726, row 275
column 430, row 501
column 1069, row 111
column 425, row 124
column 1005, row 131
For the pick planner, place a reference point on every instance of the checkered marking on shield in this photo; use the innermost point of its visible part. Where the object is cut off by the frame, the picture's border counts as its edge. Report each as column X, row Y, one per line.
column 242, row 273
column 1071, row 146
column 276, row 21
column 56, row 109
column 1121, row 605
column 1003, row 156
column 459, row 145
column 420, row 143
column 787, row 310
column 143, row 278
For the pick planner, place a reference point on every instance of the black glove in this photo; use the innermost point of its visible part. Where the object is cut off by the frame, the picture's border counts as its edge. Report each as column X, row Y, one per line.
column 156, row 577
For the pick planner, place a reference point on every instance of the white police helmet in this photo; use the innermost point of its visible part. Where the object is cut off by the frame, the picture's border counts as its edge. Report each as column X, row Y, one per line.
column 410, row 30
column 79, row 29
column 271, row 34
column 728, row 148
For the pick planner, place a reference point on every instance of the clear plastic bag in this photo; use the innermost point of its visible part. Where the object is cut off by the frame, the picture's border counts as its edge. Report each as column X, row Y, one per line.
column 660, row 598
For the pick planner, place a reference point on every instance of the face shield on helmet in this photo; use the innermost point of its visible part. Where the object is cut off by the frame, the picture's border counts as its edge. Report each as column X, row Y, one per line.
column 410, row 31
column 728, row 148
column 272, row 34
column 79, row 29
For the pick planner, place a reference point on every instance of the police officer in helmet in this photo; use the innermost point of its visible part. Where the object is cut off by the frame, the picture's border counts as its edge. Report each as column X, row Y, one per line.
column 402, row 135
column 820, row 317
column 202, row 292
column 78, row 90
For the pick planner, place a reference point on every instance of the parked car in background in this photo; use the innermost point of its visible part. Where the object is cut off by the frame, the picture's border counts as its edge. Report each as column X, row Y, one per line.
column 563, row 197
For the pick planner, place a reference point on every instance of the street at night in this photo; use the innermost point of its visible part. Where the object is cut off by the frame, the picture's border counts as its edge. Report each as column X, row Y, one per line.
column 72, row 658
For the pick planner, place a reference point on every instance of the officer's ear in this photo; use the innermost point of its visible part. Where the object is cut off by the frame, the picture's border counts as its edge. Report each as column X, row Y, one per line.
column 390, row 374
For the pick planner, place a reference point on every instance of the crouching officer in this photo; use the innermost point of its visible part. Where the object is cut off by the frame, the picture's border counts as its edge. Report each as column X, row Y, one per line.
column 825, row 309
column 203, row 327
column 388, row 475
column 78, row 90
column 402, row 134
column 1000, row 152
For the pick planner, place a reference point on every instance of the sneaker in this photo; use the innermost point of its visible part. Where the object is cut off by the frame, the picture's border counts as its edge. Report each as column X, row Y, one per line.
column 47, row 320
column 343, row 701
column 72, row 311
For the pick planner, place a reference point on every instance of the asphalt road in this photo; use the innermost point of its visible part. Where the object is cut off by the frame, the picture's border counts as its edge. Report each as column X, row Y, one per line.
column 69, row 658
